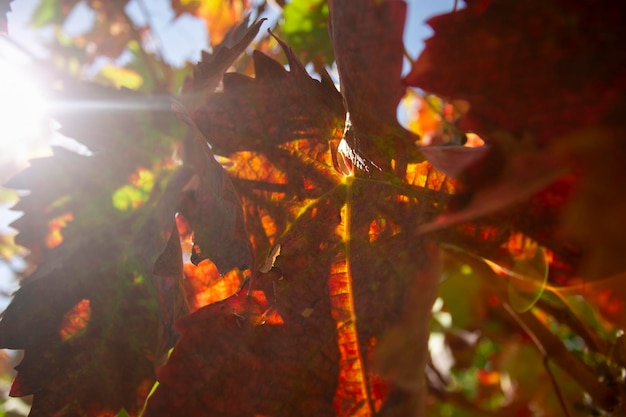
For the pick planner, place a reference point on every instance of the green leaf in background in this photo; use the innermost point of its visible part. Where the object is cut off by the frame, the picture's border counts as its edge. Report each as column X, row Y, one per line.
column 123, row 413
column 305, row 29
column 51, row 11
column 460, row 290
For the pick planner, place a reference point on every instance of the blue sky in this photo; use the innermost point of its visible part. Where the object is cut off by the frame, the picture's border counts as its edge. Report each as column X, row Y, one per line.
column 182, row 39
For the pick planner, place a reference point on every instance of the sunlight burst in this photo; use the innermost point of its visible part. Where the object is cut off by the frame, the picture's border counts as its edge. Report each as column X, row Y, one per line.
column 22, row 115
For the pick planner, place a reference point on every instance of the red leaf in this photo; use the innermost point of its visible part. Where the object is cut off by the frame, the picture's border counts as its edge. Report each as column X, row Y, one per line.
column 333, row 286
column 208, row 73
column 549, row 78
column 543, row 68
column 98, row 359
column 272, row 352
column 212, row 206
column 275, row 107
column 367, row 38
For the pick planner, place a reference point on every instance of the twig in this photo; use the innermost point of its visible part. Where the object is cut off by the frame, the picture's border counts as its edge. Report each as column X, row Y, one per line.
column 568, row 318
column 555, row 385
column 407, row 56
column 551, row 346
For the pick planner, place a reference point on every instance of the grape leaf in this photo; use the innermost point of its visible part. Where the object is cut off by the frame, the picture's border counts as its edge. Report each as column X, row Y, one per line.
column 256, row 354
column 207, row 74
column 99, row 324
column 335, row 321
column 534, row 74
column 504, row 62
column 366, row 33
column 109, row 287
column 338, row 231
column 211, row 206
column 293, row 112
column 300, row 339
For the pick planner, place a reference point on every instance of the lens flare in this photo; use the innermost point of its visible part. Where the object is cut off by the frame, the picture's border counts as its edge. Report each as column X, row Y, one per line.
column 24, row 127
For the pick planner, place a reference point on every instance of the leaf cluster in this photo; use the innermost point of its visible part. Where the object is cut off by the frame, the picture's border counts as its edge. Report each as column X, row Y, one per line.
column 242, row 238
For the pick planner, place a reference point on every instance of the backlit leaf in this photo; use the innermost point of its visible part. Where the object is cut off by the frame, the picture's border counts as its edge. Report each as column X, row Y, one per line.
column 327, row 281
column 536, row 81
column 371, row 31
column 276, row 251
column 122, row 77
column 93, row 299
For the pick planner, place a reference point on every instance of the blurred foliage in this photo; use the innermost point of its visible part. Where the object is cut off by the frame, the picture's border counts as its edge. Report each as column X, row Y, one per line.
column 529, row 318
column 305, row 29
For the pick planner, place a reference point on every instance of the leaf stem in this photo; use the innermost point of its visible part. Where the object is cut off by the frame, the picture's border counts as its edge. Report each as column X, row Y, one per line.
column 552, row 347
column 347, row 240
column 555, row 385
column 569, row 318
column 408, row 57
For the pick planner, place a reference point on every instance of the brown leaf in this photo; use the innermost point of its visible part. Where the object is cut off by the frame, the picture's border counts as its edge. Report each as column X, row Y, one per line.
column 550, row 76
column 122, row 130
column 209, row 71
column 367, row 39
column 598, row 155
column 453, row 160
column 275, row 107
column 67, row 369
column 212, row 206
column 518, row 185
column 170, row 292
column 89, row 318
column 401, row 354
column 348, row 247
column 541, row 68
column 271, row 352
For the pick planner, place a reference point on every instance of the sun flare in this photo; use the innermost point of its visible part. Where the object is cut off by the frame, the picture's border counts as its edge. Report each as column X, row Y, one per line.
column 23, row 122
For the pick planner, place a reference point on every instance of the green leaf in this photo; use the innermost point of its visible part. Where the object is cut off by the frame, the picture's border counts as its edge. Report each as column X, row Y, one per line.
column 51, row 11
column 305, row 29
column 460, row 292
